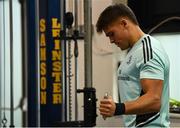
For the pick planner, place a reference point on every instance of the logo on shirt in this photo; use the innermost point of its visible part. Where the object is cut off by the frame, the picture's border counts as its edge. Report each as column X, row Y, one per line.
column 125, row 78
column 129, row 61
column 119, row 71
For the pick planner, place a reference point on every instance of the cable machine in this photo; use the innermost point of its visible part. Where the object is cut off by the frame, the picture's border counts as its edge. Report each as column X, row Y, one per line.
column 89, row 92
column 49, row 76
column 49, row 39
column 11, row 68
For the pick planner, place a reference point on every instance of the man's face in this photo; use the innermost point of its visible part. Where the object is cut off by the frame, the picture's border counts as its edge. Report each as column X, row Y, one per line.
column 118, row 34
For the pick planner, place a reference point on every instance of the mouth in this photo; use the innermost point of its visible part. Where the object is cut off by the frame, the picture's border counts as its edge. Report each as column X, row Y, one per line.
column 117, row 43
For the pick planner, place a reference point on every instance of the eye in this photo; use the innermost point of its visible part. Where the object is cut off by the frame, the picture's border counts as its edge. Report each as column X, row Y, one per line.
column 111, row 34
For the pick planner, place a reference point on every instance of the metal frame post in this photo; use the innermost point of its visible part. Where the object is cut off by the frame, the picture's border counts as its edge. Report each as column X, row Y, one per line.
column 24, row 58
column 63, row 45
column 37, row 61
column 0, row 85
column 76, row 33
column 11, row 65
column 88, row 42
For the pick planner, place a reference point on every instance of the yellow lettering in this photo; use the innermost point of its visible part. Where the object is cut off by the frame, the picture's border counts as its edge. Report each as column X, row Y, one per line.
column 43, row 68
column 43, row 97
column 57, row 45
column 43, row 54
column 57, row 98
column 57, row 76
column 43, row 83
column 56, row 55
column 56, row 62
column 42, row 25
column 42, row 39
column 55, row 23
column 57, row 66
column 56, row 87
column 56, row 32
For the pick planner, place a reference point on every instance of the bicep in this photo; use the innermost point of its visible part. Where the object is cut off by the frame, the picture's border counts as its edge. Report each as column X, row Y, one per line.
column 150, row 101
column 152, row 87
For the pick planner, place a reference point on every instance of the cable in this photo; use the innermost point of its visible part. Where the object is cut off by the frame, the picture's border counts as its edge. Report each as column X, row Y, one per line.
column 163, row 22
column 4, row 120
column 103, row 52
column 21, row 105
column 11, row 65
column 76, row 77
column 76, row 33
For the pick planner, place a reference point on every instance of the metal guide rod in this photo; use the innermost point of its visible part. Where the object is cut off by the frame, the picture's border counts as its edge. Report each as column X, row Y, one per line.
column 37, row 61
column 69, row 80
column 76, row 81
column 76, row 14
column 0, row 78
column 4, row 68
column 24, row 57
column 62, row 11
column 76, row 58
column 69, row 22
column 0, row 89
column 11, row 64
column 1, row 62
column 88, row 43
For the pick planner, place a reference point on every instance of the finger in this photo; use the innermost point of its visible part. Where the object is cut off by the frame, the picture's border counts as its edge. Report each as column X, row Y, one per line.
column 103, row 110
column 106, row 114
column 105, row 106
column 109, row 97
column 106, row 101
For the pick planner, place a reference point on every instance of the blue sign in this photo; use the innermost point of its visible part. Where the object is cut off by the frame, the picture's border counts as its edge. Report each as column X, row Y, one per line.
column 50, row 63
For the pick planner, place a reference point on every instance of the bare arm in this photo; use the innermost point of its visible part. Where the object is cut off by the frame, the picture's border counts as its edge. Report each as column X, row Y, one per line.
column 149, row 102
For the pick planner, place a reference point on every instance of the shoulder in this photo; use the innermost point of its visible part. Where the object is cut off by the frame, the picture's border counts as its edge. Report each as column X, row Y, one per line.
column 151, row 50
column 150, row 47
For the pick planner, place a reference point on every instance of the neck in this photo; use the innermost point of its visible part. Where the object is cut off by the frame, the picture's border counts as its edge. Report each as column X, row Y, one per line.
column 136, row 34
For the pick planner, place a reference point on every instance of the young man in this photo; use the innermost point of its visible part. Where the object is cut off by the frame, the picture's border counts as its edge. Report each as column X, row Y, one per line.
column 143, row 76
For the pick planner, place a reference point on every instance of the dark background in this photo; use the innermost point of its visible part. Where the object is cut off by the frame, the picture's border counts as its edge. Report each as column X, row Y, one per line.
column 151, row 12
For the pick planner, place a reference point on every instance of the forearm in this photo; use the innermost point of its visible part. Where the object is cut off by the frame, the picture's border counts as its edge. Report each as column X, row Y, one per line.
column 144, row 104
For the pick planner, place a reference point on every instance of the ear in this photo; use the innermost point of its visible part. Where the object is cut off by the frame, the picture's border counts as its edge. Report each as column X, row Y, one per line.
column 124, row 22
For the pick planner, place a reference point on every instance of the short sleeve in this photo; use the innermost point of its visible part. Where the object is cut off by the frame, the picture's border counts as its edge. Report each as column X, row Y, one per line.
column 152, row 69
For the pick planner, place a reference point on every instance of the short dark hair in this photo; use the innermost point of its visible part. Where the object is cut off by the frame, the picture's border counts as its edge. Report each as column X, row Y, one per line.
column 112, row 13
